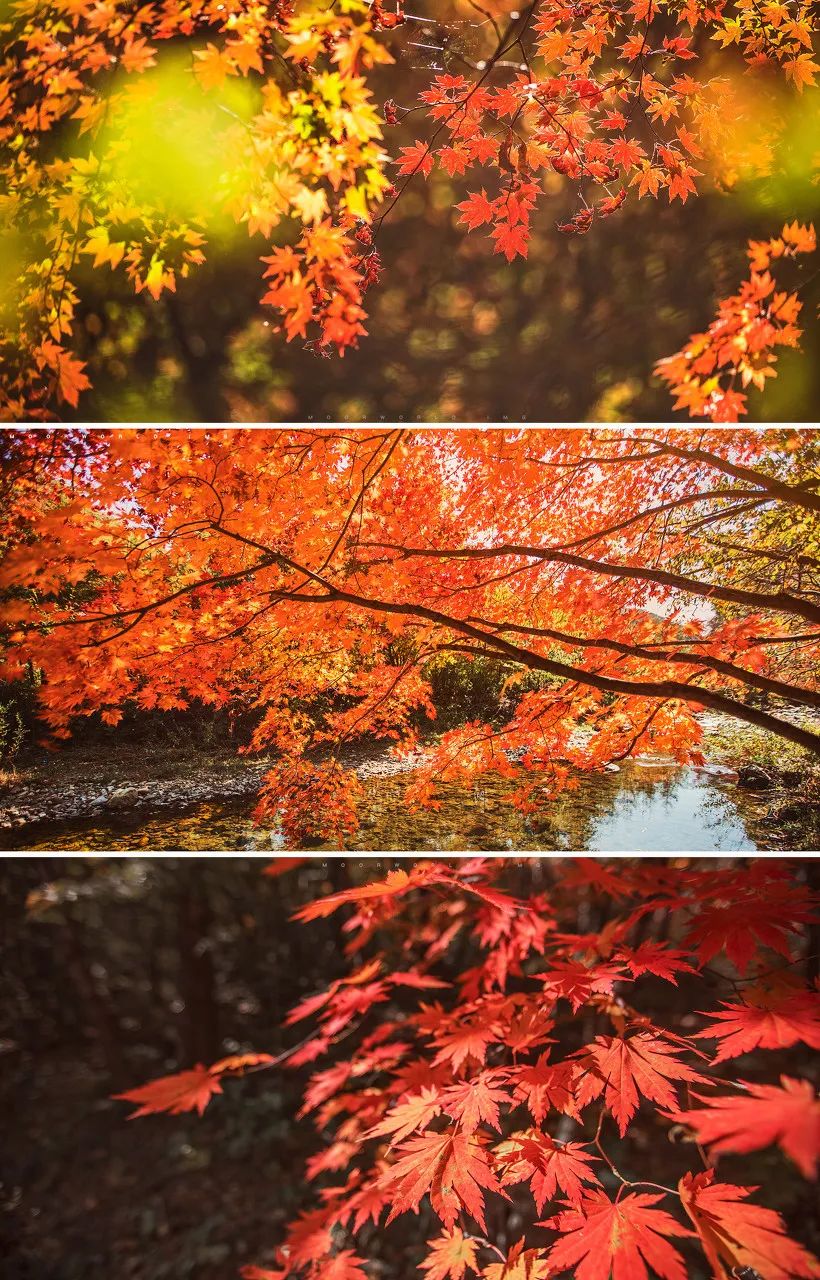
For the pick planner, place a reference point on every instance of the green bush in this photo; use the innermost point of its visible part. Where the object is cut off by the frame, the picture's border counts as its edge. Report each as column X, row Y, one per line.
column 473, row 688
column 18, row 714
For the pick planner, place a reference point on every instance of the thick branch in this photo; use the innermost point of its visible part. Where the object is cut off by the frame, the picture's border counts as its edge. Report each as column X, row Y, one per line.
column 687, row 500
column 779, row 601
column 798, row 496
column 766, row 684
column 692, row 694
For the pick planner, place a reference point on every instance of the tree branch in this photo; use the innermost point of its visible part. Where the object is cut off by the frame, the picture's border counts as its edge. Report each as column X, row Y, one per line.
column 780, row 601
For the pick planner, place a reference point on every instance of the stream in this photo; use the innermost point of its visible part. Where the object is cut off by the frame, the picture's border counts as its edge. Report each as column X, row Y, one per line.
column 648, row 805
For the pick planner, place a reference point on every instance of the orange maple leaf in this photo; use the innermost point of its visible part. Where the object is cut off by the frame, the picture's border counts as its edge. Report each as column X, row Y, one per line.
column 788, row 1113
column 547, row 1165
column 415, row 1112
column 450, row 1255
column 451, row 1167
column 520, row 1264
column 767, row 1020
column 601, row 1239
column 185, row 1091
column 395, row 883
column 735, row 1235
column 627, row 1070
column 237, row 1063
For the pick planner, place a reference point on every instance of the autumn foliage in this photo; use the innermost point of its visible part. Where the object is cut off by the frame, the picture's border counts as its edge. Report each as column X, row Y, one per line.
column 280, row 126
column 552, row 1083
column 312, row 583
column 711, row 375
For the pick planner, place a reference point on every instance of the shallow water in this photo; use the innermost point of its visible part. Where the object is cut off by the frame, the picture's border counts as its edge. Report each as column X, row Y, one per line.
column 647, row 806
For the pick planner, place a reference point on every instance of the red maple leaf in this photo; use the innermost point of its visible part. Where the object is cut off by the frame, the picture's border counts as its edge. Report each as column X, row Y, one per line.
column 750, row 921
column 394, row 885
column 310, row 1237
column 788, row 1114
column 602, row 1239
column 467, row 1041
column 455, row 160
column 576, row 982
column 451, row 1167
column 415, row 1112
column 476, row 210
column 330, row 1159
column 626, row 1070
column 473, row 1101
column 767, row 1020
column 655, row 958
column 416, row 159
column 626, row 153
column 544, row 1086
column 511, row 240
column 418, row 981
column 280, row 865
column 344, row 1265
column 186, row 1091
column 535, row 1157
column 735, row 1235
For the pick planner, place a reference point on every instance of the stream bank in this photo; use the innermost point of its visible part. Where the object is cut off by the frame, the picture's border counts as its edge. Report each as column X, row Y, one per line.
column 193, row 801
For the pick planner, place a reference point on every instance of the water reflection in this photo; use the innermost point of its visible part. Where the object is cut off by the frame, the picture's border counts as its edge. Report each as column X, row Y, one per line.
column 647, row 806
column 685, row 812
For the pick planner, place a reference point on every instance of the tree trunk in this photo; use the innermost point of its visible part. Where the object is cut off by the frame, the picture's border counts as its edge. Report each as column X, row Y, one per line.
column 196, row 971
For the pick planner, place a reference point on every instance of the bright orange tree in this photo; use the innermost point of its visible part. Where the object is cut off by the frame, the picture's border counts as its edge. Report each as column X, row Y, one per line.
column 540, row 1091
column 131, row 133
column 312, row 579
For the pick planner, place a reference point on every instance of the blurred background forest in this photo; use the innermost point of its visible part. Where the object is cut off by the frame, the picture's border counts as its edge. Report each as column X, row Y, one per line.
column 455, row 332
column 117, row 971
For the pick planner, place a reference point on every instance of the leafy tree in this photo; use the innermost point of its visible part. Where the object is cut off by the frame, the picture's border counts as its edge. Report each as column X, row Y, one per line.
column 276, row 129
column 315, row 578
column 490, row 1050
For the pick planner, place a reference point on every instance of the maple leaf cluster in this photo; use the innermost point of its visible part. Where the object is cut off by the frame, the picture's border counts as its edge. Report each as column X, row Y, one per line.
column 507, row 1077
column 313, row 802
column 275, row 128
column 739, row 347
column 615, row 99
column 273, row 123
